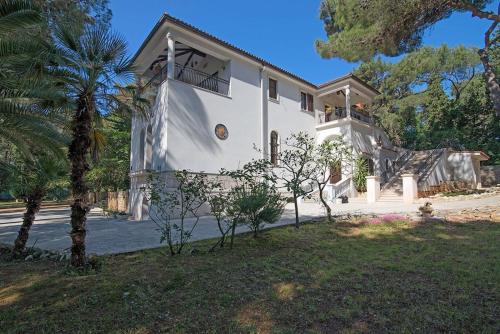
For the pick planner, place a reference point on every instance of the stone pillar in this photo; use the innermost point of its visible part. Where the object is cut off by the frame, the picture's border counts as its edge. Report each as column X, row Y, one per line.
column 410, row 188
column 348, row 102
column 170, row 56
column 372, row 189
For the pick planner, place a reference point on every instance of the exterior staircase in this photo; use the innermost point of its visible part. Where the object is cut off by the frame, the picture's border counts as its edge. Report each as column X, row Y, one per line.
column 421, row 163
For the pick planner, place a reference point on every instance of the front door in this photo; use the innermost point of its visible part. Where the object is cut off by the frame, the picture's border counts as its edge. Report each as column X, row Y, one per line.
column 335, row 173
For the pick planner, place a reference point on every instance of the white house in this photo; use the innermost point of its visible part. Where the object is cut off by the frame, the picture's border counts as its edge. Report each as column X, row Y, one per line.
column 213, row 102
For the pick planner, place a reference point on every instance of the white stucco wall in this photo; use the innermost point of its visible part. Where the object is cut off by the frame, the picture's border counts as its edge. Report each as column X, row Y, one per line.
column 464, row 166
column 439, row 173
column 193, row 115
column 285, row 115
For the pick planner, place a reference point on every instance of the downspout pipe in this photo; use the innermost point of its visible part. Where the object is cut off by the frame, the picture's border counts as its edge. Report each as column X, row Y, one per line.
column 263, row 113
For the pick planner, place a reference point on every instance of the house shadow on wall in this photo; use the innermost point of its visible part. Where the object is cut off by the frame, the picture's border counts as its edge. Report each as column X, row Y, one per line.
column 188, row 118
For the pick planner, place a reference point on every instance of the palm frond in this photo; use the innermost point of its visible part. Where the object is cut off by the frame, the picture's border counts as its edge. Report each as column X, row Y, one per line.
column 17, row 14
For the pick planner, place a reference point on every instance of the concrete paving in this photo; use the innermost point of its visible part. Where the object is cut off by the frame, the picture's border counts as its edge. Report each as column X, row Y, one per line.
column 111, row 235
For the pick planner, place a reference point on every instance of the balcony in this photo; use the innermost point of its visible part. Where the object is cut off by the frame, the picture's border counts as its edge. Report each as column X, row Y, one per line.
column 201, row 79
column 341, row 112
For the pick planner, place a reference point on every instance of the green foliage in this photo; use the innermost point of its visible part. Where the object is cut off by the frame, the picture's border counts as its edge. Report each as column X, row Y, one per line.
column 360, row 173
column 256, row 205
column 42, row 172
column 358, row 30
column 170, row 207
column 29, row 96
column 435, row 97
column 110, row 172
column 218, row 199
column 296, row 167
column 327, row 155
column 253, row 200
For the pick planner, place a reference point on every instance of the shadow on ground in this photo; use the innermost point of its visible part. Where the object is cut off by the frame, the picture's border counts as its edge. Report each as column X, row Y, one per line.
column 322, row 278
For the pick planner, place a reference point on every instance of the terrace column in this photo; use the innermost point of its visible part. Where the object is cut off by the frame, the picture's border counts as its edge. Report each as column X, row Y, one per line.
column 170, row 56
column 348, row 102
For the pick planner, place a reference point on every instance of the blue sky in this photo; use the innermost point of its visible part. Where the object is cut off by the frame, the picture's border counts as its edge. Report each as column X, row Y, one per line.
column 280, row 31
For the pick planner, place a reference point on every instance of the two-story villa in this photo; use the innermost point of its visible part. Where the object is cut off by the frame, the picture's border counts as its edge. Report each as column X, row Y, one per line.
column 213, row 102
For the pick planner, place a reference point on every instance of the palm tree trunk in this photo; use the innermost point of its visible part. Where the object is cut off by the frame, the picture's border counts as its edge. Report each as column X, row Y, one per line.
column 33, row 203
column 78, row 153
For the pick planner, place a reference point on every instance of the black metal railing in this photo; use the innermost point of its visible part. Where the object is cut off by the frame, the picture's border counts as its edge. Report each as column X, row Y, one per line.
column 341, row 112
column 201, row 79
column 388, row 178
column 360, row 116
column 158, row 78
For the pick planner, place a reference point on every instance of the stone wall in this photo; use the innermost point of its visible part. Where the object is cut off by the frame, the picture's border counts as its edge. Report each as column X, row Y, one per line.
column 490, row 175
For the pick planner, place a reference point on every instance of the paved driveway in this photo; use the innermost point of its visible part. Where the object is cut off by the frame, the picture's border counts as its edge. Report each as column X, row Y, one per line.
column 109, row 235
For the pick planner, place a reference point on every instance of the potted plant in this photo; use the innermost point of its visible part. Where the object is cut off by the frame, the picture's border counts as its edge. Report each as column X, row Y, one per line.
column 426, row 210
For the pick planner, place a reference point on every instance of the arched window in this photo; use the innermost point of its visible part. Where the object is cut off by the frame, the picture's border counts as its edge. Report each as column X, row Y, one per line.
column 142, row 138
column 149, row 147
column 274, row 148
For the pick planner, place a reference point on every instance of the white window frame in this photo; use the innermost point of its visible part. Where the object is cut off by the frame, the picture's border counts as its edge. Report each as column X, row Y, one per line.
column 307, row 101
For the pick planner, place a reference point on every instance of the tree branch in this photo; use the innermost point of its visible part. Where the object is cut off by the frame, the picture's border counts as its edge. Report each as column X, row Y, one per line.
column 476, row 12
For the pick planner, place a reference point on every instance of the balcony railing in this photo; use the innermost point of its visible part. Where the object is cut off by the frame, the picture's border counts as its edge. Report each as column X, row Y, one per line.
column 341, row 112
column 201, row 79
column 158, row 78
column 151, row 87
column 360, row 116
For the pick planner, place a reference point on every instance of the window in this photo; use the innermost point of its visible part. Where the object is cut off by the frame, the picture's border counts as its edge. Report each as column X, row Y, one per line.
column 274, row 148
column 273, row 89
column 306, row 102
column 303, row 101
column 310, row 103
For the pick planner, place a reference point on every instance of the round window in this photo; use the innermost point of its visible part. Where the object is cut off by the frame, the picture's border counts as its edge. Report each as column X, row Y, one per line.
column 221, row 131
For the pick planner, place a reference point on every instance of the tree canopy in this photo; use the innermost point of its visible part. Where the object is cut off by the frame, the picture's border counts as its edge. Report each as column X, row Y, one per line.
column 435, row 97
column 358, row 30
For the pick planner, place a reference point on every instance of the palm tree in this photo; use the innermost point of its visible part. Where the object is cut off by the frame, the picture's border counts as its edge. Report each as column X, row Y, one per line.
column 93, row 60
column 28, row 93
column 32, row 178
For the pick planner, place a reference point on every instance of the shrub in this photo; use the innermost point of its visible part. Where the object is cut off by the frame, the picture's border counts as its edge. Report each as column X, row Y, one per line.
column 169, row 208
column 256, row 205
column 360, row 173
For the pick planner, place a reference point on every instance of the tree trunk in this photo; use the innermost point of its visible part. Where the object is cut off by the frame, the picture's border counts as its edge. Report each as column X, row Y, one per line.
column 233, row 232
column 489, row 74
column 33, row 203
column 325, row 204
column 78, row 153
column 491, row 80
column 296, row 205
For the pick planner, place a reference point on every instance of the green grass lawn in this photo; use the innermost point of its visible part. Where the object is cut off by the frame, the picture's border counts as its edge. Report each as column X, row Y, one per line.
column 322, row 278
